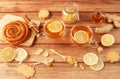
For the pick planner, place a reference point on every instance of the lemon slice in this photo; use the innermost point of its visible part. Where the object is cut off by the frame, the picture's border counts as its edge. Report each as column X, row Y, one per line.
column 81, row 36
column 8, row 54
column 98, row 66
column 107, row 40
column 90, row 59
column 55, row 26
column 21, row 54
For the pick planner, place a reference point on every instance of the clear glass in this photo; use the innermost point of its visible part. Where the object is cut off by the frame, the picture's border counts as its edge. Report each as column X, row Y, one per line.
column 70, row 12
column 54, row 34
column 85, row 28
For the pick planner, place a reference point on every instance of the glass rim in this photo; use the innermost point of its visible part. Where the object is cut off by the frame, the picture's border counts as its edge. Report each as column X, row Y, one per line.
column 74, row 4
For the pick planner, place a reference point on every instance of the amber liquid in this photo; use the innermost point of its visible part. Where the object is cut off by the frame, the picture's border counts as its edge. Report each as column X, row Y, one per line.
column 84, row 28
column 97, row 17
column 54, row 34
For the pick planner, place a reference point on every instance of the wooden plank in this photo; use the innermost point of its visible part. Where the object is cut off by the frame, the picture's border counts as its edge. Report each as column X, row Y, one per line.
column 76, row 51
column 42, row 2
column 58, row 7
column 63, row 70
column 67, row 37
column 26, row 2
column 85, row 17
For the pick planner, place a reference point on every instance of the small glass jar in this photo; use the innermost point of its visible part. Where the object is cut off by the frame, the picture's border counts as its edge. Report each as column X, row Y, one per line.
column 70, row 13
column 97, row 16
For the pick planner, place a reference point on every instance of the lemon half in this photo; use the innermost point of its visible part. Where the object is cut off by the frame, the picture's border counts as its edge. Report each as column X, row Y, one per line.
column 8, row 54
column 107, row 40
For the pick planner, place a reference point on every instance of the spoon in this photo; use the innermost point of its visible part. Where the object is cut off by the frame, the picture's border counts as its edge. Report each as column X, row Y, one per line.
column 69, row 59
column 62, row 56
column 46, row 62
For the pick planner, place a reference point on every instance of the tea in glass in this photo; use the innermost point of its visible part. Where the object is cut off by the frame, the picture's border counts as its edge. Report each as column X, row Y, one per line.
column 54, row 28
column 81, row 34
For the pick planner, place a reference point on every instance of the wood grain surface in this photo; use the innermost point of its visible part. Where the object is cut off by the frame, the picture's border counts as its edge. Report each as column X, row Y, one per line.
column 65, row 45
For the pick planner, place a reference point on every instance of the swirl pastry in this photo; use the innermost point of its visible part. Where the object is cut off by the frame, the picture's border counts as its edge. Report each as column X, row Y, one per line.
column 15, row 32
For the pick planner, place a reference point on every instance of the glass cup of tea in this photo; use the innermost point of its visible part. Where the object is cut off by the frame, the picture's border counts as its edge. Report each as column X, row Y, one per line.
column 81, row 34
column 54, row 28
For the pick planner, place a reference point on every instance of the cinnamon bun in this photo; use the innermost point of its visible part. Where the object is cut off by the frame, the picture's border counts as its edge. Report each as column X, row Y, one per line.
column 15, row 32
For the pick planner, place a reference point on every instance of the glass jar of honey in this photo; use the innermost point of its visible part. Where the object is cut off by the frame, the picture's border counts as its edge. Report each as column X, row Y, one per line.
column 97, row 16
column 54, row 28
column 70, row 13
column 81, row 34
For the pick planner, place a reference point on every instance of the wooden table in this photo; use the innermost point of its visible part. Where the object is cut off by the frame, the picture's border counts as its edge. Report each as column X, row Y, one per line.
column 61, row 69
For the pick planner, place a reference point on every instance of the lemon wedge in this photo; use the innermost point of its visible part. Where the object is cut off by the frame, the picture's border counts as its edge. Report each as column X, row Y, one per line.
column 90, row 59
column 55, row 26
column 98, row 66
column 81, row 36
column 107, row 40
column 21, row 54
column 8, row 54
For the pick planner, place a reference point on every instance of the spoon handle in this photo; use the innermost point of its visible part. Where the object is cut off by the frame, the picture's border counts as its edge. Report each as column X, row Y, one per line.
column 54, row 51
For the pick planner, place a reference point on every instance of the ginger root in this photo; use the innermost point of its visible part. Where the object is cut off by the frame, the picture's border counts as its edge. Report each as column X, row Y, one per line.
column 109, row 18
column 116, row 24
column 104, row 29
column 113, row 19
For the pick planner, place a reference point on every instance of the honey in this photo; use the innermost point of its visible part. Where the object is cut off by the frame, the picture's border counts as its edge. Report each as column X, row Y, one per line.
column 54, row 28
column 97, row 16
column 81, row 34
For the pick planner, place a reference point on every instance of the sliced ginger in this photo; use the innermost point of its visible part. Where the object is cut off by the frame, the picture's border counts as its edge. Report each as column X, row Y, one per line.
column 107, row 40
column 71, row 60
column 81, row 66
column 39, row 51
column 46, row 54
column 100, row 49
